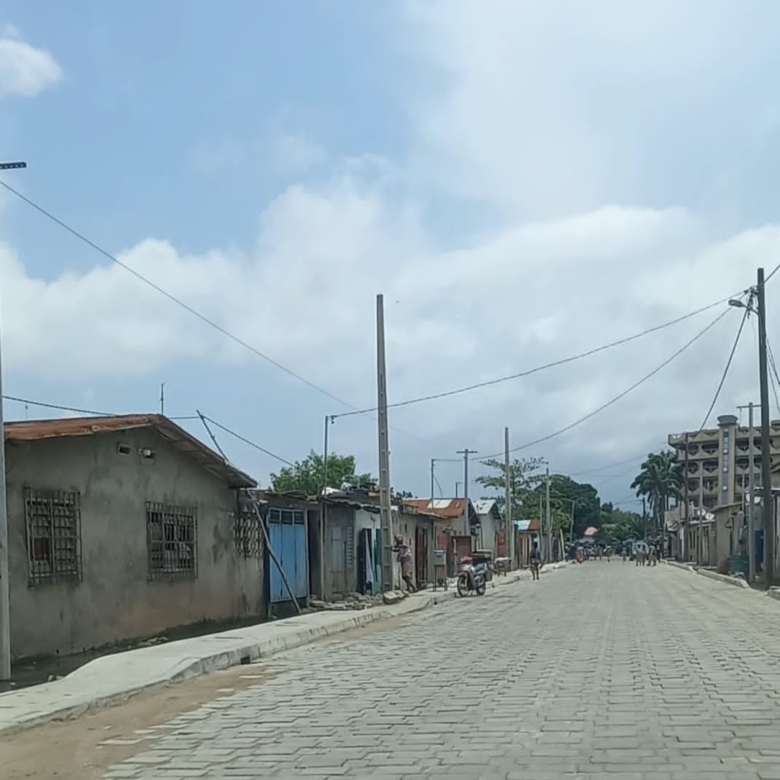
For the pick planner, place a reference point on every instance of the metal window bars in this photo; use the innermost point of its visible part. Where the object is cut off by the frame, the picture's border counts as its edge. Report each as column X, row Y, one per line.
column 172, row 540
column 53, row 526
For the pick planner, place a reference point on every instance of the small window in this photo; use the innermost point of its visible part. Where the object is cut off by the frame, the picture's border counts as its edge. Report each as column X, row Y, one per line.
column 53, row 524
column 123, row 449
column 172, row 540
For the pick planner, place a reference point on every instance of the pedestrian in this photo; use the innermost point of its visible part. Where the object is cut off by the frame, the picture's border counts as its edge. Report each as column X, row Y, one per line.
column 536, row 561
column 653, row 555
column 404, row 557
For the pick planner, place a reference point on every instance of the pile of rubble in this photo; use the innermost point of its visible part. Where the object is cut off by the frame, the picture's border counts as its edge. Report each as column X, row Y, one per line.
column 354, row 601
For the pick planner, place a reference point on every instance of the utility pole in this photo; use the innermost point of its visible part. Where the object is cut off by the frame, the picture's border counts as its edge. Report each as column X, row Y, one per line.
column 749, row 506
column 385, row 509
column 686, row 508
column 548, row 517
column 162, row 398
column 509, row 533
column 466, row 454
column 766, row 453
column 5, row 593
column 541, row 526
column 751, row 510
column 433, row 478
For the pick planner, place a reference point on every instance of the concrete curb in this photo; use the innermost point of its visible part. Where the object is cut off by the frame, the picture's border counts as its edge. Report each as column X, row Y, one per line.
column 725, row 578
column 113, row 679
column 678, row 565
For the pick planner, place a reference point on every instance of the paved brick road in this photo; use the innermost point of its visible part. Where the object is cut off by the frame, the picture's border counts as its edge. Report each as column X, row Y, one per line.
column 598, row 671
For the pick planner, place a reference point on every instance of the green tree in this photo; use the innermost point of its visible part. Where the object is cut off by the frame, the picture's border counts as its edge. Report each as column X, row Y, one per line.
column 308, row 475
column 567, row 495
column 660, row 479
column 522, row 481
column 617, row 525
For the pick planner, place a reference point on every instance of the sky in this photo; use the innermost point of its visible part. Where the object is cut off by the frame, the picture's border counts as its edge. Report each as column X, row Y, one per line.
column 521, row 181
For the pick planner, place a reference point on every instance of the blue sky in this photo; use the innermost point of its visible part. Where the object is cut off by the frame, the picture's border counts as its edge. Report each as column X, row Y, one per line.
column 521, row 181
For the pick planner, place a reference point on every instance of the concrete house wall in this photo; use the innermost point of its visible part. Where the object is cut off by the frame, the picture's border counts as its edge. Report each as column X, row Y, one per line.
column 115, row 599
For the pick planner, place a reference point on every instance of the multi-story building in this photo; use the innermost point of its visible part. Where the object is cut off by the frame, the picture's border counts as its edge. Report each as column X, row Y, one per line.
column 719, row 460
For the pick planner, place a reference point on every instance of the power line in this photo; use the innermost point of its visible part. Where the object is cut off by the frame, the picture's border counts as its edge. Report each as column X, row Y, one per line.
column 58, row 407
column 728, row 366
column 610, row 465
column 77, row 410
column 620, row 395
column 93, row 413
column 774, row 376
column 194, row 312
column 537, row 369
column 249, row 441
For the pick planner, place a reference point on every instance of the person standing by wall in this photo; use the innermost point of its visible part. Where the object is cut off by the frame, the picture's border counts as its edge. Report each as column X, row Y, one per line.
column 404, row 557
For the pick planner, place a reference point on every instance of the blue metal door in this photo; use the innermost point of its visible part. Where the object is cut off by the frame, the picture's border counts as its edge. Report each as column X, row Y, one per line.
column 287, row 533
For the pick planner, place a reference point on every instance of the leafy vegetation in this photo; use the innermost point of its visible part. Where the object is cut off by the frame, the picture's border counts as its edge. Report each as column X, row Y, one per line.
column 524, row 477
column 660, row 480
column 308, row 475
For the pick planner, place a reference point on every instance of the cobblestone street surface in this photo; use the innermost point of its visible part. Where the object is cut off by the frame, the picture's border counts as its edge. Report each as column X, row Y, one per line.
column 598, row 671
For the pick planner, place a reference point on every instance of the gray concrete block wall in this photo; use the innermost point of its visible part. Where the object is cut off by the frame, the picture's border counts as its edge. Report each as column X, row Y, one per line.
column 115, row 599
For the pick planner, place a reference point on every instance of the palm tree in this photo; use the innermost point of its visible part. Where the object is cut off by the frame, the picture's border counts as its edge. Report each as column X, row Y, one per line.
column 659, row 480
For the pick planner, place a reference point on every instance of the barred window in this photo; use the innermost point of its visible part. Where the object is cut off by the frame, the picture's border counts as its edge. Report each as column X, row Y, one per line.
column 172, row 540
column 53, row 524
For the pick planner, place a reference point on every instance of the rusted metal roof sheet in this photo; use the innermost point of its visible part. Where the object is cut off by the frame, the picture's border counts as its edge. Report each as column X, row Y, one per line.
column 449, row 508
column 186, row 443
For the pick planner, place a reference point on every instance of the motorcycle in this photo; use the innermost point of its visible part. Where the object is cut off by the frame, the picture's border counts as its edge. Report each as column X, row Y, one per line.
column 473, row 579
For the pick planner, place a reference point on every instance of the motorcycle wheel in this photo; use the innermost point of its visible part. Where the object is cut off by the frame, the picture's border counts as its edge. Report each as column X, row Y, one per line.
column 480, row 588
column 463, row 585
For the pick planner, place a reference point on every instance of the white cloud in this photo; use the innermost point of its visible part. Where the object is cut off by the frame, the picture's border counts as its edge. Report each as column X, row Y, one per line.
column 24, row 70
column 294, row 153
column 512, row 117
column 533, row 294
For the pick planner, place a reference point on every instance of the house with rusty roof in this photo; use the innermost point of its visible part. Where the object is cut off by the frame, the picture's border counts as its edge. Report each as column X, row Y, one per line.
column 123, row 527
column 456, row 526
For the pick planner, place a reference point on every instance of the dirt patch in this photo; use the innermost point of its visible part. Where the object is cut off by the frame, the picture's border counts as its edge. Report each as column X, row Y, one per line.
column 75, row 749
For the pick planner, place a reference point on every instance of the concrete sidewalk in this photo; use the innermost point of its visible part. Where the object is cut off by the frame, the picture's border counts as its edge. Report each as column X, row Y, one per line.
column 114, row 678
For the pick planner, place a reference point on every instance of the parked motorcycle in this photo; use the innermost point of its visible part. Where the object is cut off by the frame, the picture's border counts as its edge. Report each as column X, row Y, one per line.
column 473, row 579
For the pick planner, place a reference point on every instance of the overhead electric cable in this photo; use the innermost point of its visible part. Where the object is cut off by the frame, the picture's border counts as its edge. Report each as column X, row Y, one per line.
column 621, row 395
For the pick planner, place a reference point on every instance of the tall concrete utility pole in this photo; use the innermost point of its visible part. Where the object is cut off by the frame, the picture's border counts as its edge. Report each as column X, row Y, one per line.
column 510, row 529
column 5, row 593
column 385, row 509
column 548, row 515
column 686, row 508
column 766, row 453
column 751, row 508
column 466, row 454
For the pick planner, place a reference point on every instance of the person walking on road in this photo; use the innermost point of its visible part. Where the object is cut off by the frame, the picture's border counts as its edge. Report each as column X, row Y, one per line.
column 536, row 561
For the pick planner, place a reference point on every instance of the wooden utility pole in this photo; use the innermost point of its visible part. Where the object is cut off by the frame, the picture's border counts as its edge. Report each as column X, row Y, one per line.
column 5, row 592
column 385, row 508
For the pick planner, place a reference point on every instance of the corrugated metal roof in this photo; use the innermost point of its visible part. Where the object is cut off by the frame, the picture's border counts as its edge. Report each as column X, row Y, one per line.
column 522, row 525
column 484, row 506
column 188, row 445
column 450, row 508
